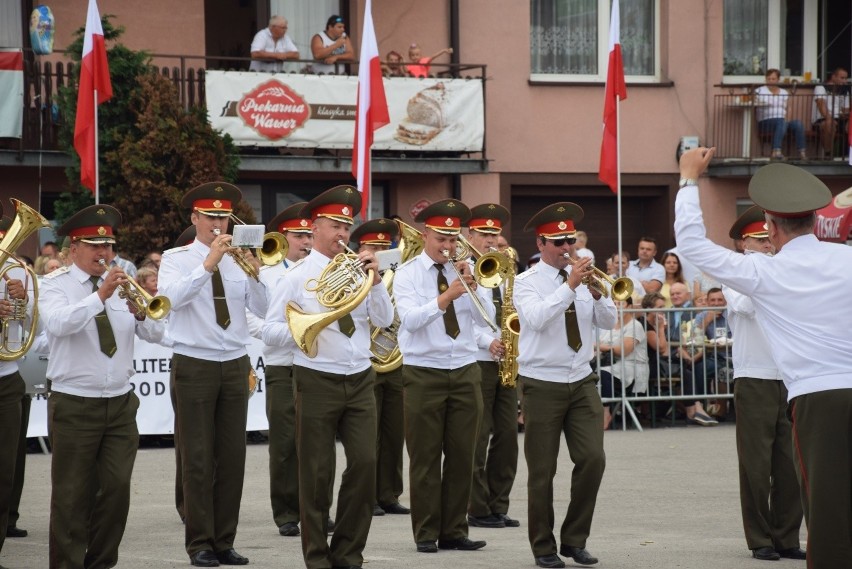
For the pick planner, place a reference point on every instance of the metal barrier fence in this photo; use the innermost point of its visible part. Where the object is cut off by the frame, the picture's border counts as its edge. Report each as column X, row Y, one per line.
column 687, row 366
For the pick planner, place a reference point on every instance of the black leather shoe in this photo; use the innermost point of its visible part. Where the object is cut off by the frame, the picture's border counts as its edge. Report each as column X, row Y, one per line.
column 204, row 558
column 765, row 554
column 14, row 531
column 378, row 511
column 290, row 529
column 491, row 521
column 427, row 547
column 793, row 553
column 231, row 557
column 510, row 523
column 462, row 544
column 551, row 560
column 579, row 554
column 396, row 508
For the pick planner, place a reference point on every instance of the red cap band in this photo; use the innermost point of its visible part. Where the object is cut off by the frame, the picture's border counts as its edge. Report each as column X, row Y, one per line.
column 90, row 232
column 379, row 238
column 444, row 223
column 553, row 228
column 488, row 225
column 298, row 224
column 755, row 229
column 339, row 211
column 212, row 205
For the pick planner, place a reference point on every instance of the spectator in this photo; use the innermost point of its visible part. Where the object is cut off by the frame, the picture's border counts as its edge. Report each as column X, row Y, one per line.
column 51, row 265
column 714, row 322
column 50, row 249
column 580, row 247
column 152, row 259
column 126, row 265
column 393, row 67
column 420, row 66
column 648, row 271
column 147, row 279
column 627, row 346
column 831, row 104
column 613, row 271
column 271, row 46
column 772, row 115
column 656, row 331
column 39, row 264
column 674, row 274
column 331, row 46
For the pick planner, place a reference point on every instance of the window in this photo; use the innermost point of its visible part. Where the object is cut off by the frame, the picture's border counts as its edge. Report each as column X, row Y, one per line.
column 569, row 39
column 769, row 34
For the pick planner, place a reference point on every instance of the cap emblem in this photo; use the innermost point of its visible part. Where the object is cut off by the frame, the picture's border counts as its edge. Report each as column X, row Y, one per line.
column 102, row 231
column 348, row 190
column 562, row 225
column 217, row 203
column 451, row 204
column 490, row 223
column 448, row 222
column 381, row 235
column 101, row 211
column 560, row 209
column 303, row 223
column 492, row 206
column 218, row 189
column 345, row 211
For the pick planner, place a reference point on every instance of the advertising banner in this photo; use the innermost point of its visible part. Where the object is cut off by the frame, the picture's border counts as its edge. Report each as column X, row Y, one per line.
column 318, row 111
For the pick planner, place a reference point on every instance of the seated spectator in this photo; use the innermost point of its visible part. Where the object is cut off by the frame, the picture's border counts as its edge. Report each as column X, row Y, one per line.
column 773, row 114
column 674, row 274
column 147, row 279
column 614, row 262
column 581, row 249
column 420, row 66
column 271, row 46
column 702, row 284
column 831, row 107
column 624, row 358
column 645, row 269
column 331, row 47
column 660, row 365
column 51, row 265
column 714, row 322
column 393, row 67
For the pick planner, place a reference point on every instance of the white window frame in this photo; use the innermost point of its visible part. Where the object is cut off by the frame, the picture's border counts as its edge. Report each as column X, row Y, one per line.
column 810, row 39
column 604, row 7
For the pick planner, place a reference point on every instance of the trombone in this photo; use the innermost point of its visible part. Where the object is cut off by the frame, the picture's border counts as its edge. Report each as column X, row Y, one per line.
column 154, row 307
column 622, row 287
column 461, row 254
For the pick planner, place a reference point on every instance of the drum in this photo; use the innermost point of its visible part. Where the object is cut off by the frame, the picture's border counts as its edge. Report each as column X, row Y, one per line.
column 33, row 368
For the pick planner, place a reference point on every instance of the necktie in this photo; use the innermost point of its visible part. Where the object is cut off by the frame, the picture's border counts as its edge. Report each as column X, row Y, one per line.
column 220, row 304
column 451, row 323
column 105, row 335
column 572, row 329
column 497, row 299
column 346, row 325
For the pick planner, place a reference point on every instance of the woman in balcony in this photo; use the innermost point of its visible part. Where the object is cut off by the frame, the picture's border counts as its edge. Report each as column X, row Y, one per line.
column 772, row 116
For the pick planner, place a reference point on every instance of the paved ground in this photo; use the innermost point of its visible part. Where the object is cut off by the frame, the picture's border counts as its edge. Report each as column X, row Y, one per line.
column 669, row 499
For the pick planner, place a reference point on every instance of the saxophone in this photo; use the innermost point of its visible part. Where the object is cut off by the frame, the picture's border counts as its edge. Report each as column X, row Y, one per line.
column 510, row 330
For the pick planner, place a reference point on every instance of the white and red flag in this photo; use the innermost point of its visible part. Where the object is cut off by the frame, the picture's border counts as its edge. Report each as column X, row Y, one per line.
column 94, row 88
column 372, row 109
column 11, row 93
column 608, row 171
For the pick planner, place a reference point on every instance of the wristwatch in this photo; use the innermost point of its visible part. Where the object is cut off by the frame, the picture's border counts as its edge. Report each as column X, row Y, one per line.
column 687, row 182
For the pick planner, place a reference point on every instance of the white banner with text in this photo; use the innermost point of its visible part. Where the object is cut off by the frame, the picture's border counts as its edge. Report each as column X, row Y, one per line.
column 318, row 111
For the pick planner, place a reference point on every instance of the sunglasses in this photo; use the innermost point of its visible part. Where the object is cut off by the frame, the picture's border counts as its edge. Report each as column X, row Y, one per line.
column 561, row 242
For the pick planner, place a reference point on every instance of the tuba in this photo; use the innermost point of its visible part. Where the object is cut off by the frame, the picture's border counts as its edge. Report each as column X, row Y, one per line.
column 26, row 221
column 510, row 329
column 341, row 287
column 383, row 341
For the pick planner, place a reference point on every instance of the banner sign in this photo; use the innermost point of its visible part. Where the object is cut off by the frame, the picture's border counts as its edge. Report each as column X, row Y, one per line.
column 152, row 363
column 318, row 111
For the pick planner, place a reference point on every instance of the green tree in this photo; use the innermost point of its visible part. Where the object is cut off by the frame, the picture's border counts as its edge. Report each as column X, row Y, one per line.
column 152, row 150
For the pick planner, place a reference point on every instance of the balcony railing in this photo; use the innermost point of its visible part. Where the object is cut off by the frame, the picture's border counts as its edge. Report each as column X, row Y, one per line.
column 43, row 80
column 739, row 136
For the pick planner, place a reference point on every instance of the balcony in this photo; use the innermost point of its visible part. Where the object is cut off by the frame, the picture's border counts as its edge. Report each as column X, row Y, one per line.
column 41, row 120
column 742, row 145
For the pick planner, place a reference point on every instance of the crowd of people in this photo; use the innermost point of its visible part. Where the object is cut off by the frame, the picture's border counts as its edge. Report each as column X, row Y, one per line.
column 316, row 310
column 330, row 50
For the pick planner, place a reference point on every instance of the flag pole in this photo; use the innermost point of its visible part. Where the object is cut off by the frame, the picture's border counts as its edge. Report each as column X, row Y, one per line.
column 97, row 167
column 618, row 176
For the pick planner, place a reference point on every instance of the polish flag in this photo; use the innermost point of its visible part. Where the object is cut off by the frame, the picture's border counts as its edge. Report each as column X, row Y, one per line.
column 94, row 88
column 372, row 109
column 608, row 171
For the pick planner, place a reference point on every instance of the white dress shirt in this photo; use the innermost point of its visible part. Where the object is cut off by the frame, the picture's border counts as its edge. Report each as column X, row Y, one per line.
column 795, row 297
column 541, row 299
column 750, row 351
column 653, row 272
column 263, row 41
column 422, row 337
column 336, row 352
column 77, row 366
column 272, row 354
column 192, row 321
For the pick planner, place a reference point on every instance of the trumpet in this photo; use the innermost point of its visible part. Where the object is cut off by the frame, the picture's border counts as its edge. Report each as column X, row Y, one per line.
column 240, row 259
column 462, row 253
column 154, row 307
column 341, row 287
column 622, row 287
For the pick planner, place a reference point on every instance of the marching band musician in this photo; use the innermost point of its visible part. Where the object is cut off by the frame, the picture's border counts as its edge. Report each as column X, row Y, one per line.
column 443, row 400
column 92, row 406
column 557, row 314
column 373, row 236
column 13, row 396
column 334, row 390
column 769, row 490
column 209, row 293
column 280, row 409
column 493, row 476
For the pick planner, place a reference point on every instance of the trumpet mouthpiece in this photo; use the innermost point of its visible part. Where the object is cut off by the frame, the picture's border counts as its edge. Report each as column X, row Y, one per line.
column 216, row 231
column 102, row 262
